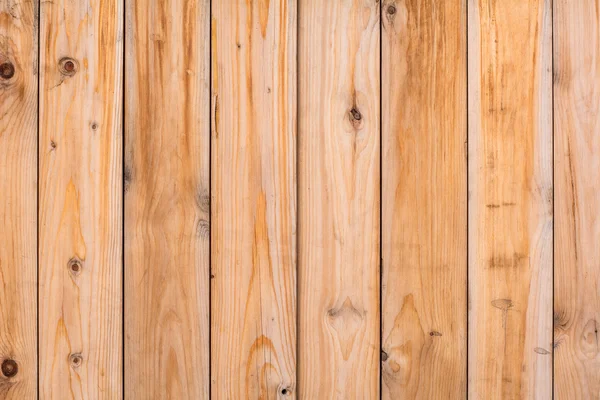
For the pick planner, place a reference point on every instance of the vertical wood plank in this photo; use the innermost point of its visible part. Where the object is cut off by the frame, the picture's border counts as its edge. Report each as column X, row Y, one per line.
column 424, row 199
column 577, row 196
column 510, row 199
column 80, row 212
column 339, row 199
column 167, row 202
column 18, row 198
column 254, row 193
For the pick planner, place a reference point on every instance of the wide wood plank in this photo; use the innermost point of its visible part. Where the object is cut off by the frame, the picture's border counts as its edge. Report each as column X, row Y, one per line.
column 167, row 203
column 80, row 212
column 577, row 198
column 510, row 199
column 424, row 199
column 18, row 198
column 338, row 198
column 254, row 192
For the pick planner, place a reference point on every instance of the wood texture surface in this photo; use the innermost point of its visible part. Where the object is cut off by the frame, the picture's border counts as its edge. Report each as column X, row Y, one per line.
column 577, row 199
column 80, row 195
column 167, row 203
column 254, row 191
column 424, row 200
column 510, row 199
column 18, row 198
column 339, row 199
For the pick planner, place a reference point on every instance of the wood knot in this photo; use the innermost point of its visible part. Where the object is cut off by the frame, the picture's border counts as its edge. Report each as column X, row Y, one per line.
column 384, row 356
column 391, row 10
column 355, row 114
column 7, row 70
column 75, row 266
column 435, row 333
column 76, row 360
column 68, row 66
column 94, row 126
column 9, row 368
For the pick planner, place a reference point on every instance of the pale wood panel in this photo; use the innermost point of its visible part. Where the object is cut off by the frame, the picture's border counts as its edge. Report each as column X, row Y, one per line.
column 18, row 198
column 167, row 202
column 510, row 199
column 80, row 189
column 577, row 197
column 254, row 192
column 424, row 199
column 339, row 201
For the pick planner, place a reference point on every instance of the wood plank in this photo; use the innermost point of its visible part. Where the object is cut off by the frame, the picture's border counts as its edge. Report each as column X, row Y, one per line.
column 577, row 198
column 167, row 202
column 80, row 212
column 18, row 199
column 510, row 199
column 339, row 201
column 424, row 200
column 254, row 192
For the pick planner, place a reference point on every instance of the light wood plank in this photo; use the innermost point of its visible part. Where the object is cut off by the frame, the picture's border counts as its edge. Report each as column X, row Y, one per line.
column 338, row 198
column 80, row 212
column 510, row 199
column 254, row 191
column 167, row 202
column 18, row 198
column 424, row 199
column 577, row 196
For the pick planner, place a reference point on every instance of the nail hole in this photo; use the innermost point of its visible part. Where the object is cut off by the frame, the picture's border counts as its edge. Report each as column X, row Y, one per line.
column 9, row 368
column 76, row 360
column 94, row 126
column 284, row 392
column 67, row 66
column 7, row 70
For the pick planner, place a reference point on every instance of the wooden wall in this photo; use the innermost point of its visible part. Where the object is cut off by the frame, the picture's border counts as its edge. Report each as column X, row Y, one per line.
column 343, row 199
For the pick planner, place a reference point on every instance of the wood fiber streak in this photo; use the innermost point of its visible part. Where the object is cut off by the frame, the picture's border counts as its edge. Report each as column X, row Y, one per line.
column 510, row 199
column 577, row 196
column 424, row 199
column 253, row 244
column 339, row 199
column 80, row 192
column 18, row 196
column 167, row 201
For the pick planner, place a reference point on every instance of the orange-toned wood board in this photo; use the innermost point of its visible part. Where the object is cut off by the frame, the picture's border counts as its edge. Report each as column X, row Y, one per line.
column 424, row 200
column 18, row 199
column 167, row 201
column 510, row 199
column 80, row 200
column 253, row 247
column 577, row 199
column 339, row 199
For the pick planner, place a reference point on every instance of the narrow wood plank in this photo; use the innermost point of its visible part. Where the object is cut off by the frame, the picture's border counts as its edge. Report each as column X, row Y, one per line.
column 18, row 198
column 167, row 203
column 338, row 198
column 577, row 198
column 510, row 199
column 424, row 199
column 254, row 192
column 80, row 210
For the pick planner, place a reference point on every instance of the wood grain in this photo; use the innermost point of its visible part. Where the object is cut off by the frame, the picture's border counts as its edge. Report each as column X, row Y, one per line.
column 577, row 199
column 510, row 199
column 424, row 199
column 167, row 203
column 339, row 201
column 18, row 198
column 80, row 189
column 254, row 192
